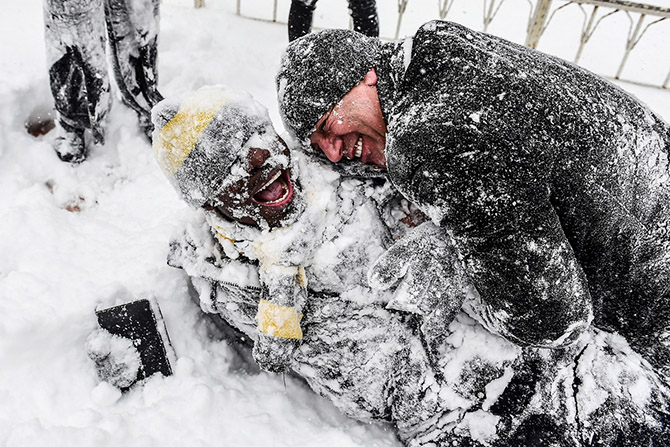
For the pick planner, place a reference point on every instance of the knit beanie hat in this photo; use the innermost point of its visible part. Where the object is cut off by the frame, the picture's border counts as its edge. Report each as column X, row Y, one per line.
column 316, row 71
column 199, row 136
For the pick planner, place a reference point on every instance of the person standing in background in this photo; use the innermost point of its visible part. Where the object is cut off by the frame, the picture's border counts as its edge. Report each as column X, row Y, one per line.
column 363, row 13
column 78, row 35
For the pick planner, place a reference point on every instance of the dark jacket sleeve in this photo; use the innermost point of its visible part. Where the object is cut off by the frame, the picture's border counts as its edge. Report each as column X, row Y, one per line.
column 459, row 148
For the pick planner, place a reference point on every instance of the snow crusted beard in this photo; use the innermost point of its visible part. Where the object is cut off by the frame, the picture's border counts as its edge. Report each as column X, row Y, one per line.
column 317, row 70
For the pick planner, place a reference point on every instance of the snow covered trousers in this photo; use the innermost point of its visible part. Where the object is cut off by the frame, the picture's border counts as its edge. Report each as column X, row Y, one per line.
column 363, row 13
column 78, row 35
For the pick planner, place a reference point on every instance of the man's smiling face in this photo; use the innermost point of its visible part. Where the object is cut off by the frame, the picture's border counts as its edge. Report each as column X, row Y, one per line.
column 264, row 195
column 354, row 128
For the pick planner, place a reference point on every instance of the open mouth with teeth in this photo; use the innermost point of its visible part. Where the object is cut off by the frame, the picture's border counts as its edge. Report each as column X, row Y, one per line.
column 276, row 191
column 358, row 147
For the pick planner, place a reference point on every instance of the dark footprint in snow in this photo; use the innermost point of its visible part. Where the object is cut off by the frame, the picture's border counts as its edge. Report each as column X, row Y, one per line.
column 73, row 205
column 40, row 121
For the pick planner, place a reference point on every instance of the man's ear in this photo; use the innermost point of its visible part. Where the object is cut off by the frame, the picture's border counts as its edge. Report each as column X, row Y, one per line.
column 370, row 77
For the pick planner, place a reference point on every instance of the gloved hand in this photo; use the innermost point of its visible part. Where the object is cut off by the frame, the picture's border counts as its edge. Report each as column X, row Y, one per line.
column 279, row 315
column 274, row 354
column 279, row 333
column 116, row 360
column 431, row 278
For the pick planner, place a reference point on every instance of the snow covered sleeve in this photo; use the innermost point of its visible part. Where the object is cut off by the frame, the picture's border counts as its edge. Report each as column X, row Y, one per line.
column 471, row 142
column 279, row 315
column 532, row 287
column 431, row 279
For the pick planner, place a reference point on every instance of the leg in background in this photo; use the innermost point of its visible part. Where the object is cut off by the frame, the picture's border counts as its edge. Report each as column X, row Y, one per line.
column 132, row 27
column 75, row 41
column 300, row 18
column 364, row 15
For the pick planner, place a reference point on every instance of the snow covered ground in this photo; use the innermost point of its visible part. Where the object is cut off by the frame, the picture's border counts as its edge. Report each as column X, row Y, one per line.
column 73, row 237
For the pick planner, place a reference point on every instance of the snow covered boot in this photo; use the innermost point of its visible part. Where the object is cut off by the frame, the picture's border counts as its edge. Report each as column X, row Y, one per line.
column 70, row 145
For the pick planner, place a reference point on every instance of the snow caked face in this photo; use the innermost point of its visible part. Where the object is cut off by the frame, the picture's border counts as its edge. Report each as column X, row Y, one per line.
column 260, row 192
column 354, row 128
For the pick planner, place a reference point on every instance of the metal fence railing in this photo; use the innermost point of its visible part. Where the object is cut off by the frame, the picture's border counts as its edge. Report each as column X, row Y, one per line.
column 637, row 13
column 541, row 13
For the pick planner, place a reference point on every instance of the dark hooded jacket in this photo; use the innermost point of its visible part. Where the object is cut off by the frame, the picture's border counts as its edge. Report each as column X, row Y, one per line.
column 552, row 182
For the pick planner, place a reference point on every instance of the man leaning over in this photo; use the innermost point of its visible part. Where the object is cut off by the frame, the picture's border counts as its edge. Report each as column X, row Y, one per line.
column 552, row 183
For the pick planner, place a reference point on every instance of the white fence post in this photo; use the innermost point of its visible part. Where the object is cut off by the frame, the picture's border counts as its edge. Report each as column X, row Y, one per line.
column 444, row 7
column 402, row 5
column 588, row 30
column 491, row 13
column 536, row 27
column 630, row 44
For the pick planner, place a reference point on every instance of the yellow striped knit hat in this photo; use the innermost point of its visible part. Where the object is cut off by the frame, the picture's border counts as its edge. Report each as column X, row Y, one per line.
column 199, row 136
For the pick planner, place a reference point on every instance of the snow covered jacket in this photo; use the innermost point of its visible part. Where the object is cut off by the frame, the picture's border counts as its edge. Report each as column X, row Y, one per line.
column 552, row 182
column 290, row 257
column 470, row 388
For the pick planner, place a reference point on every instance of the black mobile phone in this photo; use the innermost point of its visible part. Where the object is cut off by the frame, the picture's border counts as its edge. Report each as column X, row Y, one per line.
column 137, row 321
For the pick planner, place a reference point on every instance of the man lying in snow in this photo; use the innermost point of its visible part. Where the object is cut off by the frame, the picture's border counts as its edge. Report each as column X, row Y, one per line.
column 322, row 229
column 552, row 183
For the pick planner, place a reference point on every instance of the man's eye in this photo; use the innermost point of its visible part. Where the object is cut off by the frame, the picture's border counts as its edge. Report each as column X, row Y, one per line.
column 322, row 127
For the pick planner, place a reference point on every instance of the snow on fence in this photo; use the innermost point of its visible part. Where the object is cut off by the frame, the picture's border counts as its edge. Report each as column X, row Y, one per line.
column 540, row 15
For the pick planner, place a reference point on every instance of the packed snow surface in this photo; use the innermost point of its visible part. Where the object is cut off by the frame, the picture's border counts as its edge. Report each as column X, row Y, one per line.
column 76, row 237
